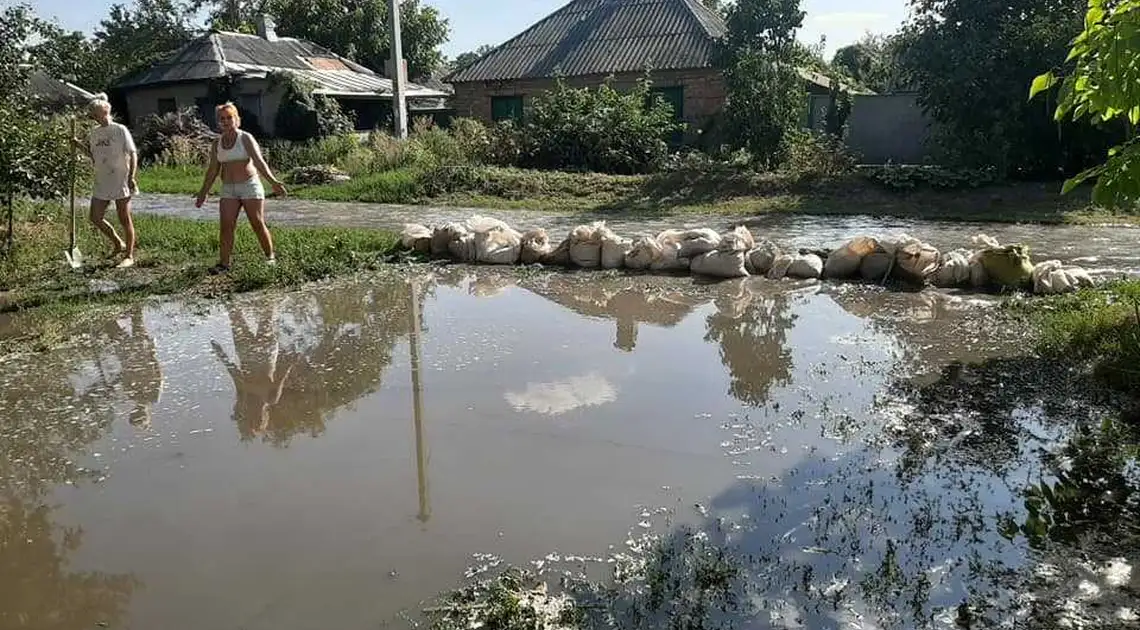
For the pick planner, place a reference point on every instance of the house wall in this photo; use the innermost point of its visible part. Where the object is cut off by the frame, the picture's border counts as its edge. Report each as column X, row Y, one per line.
column 704, row 91
column 143, row 102
column 882, row 128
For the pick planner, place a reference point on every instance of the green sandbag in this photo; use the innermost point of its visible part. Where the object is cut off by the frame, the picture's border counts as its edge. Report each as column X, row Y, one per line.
column 1008, row 266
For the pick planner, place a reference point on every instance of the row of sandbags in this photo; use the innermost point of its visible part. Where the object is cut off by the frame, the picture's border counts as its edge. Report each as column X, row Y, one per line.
column 737, row 253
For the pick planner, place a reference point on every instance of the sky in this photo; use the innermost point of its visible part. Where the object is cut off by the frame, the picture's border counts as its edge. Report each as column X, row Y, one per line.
column 473, row 25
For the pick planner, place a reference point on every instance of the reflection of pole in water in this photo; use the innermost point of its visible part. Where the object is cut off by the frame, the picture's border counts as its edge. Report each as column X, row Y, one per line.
column 417, row 403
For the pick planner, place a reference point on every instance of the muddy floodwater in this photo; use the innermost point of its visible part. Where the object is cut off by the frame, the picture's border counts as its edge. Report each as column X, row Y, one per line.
column 334, row 457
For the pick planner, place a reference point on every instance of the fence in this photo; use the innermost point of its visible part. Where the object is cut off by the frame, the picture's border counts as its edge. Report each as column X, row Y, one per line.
column 881, row 128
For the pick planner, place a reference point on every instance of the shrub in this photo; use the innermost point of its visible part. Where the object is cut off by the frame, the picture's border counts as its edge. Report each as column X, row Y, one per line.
column 601, row 130
column 176, row 139
column 817, row 155
column 285, row 155
column 304, row 115
column 905, row 178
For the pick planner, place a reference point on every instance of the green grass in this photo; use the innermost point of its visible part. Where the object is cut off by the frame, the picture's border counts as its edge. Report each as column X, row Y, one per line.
column 1099, row 326
column 44, row 298
column 681, row 192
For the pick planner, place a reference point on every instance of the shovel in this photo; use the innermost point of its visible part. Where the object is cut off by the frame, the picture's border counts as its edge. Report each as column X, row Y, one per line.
column 73, row 255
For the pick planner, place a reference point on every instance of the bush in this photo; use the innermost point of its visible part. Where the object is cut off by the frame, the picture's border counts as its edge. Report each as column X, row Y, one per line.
column 817, row 155
column 304, row 115
column 600, row 130
column 286, row 155
column 905, row 178
column 176, row 139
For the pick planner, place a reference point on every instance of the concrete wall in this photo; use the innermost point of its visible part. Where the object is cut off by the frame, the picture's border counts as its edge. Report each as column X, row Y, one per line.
column 704, row 92
column 881, row 128
column 143, row 102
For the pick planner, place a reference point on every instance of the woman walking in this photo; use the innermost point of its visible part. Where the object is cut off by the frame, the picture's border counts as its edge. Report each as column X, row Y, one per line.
column 236, row 156
column 112, row 150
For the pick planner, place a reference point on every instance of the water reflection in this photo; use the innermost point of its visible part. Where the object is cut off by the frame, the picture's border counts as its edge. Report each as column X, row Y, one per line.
column 304, row 359
column 752, row 330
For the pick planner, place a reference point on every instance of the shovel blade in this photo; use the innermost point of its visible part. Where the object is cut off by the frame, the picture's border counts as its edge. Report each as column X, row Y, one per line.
column 74, row 258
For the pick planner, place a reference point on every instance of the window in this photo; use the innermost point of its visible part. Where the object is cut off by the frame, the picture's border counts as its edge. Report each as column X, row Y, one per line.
column 674, row 96
column 167, row 106
column 251, row 104
column 506, row 108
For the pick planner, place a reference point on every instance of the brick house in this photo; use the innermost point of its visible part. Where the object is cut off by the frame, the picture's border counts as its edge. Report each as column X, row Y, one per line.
column 587, row 41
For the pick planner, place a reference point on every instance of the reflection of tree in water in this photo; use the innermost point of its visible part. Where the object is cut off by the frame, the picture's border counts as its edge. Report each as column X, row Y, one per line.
column 39, row 592
column 283, row 390
column 60, row 405
column 752, row 331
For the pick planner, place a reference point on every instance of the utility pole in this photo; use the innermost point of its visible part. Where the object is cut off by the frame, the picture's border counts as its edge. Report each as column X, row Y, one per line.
column 398, row 74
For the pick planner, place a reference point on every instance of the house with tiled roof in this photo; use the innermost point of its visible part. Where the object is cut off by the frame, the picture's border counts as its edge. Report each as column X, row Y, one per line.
column 241, row 64
column 587, row 41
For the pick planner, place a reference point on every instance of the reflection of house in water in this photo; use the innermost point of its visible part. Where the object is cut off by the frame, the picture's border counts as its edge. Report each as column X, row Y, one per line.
column 628, row 306
column 347, row 338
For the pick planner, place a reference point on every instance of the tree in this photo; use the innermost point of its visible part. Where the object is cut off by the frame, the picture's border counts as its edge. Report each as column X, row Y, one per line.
column 131, row 39
column 761, row 57
column 30, row 146
column 873, row 62
column 70, row 56
column 1104, row 85
column 971, row 60
column 470, row 57
column 357, row 29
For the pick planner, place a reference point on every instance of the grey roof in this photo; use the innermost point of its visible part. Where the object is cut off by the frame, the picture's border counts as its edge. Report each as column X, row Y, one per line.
column 589, row 37
column 219, row 54
column 57, row 91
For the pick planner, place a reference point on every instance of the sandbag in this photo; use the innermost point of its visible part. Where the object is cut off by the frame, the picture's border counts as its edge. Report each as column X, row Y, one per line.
column 844, row 262
column 978, row 276
column 984, row 241
column 498, row 247
column 805, row 266
column 586, row 245
column 720, row 264
column 416, row 237
column 614, row 249
column 915, row 260
column 876, row 265
column 535, row 245
column 479, row 223
column 690, row 242
column 1008, row 266
column 737, row 240
column 642, row 253
column 1052, row 278
column 560, row 256
column 670, row 259
column 440, row 237
column 462, row 247
column 953, row 270
column 761, row 257
column 780, row 266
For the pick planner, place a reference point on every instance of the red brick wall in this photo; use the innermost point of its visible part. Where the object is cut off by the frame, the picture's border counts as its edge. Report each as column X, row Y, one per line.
column 704, row 91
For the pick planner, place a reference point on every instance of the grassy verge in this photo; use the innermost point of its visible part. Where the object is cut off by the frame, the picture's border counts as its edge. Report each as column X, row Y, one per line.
column 678, row 192
column 43, row 299
column 1098, row 326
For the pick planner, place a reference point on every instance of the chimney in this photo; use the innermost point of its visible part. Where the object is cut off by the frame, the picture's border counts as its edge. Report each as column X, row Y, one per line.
column 266, row 28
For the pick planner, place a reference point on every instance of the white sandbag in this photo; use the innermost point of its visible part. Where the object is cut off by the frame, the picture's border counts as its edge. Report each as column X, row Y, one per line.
column 984, row 241
column 478, row 223
column 780, row 266
column 440, row 237
column 1081, row 277
column 1053, row 278
column 614, row 249
column 844, row 262
column 534, row 246
column 915, row 261
column 720, row 264
column 1042, row 276
column 670, row 259
column 642, row 252
column 761, row 257
column 978, row 276
column 498, row 247
column 586, row 245
column 953, row 270
column 690, row 242
column 416, row 237
column 805, row 266
column 737, row 240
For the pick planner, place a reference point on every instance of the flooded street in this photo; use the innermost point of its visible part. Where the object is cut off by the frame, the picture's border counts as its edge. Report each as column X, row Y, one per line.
column 336, row 456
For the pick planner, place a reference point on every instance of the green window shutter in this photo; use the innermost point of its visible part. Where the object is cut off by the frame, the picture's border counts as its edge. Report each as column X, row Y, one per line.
column 506, row 108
